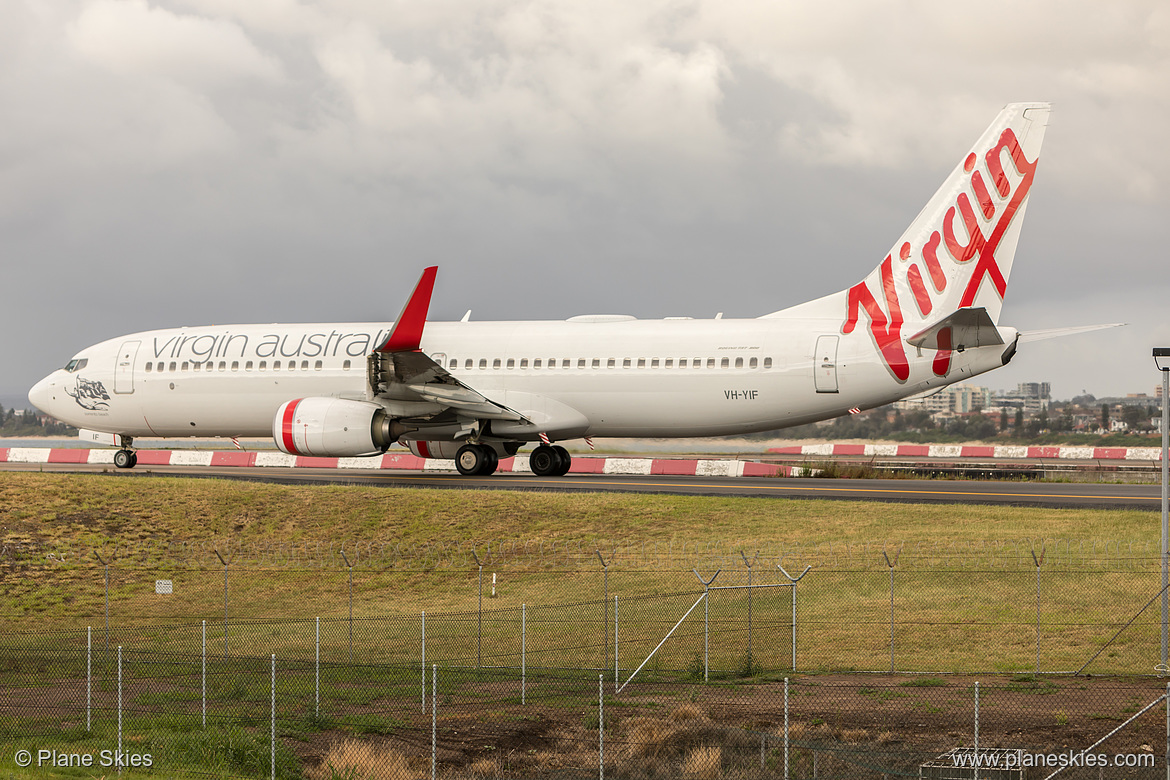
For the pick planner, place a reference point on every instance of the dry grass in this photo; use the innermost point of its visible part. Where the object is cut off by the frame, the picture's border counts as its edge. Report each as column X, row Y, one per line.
column 486, row 767
column 356, row 760
column 703, row 763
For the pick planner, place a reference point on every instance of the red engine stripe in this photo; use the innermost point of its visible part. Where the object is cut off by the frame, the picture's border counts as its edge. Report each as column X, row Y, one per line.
column 286, row 427
column 423, row 449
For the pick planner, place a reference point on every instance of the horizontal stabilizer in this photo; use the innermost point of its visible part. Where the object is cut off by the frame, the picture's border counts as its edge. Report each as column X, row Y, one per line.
column 1054, row 333
column 962, row 329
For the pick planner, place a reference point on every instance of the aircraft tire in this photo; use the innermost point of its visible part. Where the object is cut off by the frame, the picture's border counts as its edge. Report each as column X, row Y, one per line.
column 491, row 461
column 125, row 459
column 544, row 461
column 470, row 460
column 565, row 460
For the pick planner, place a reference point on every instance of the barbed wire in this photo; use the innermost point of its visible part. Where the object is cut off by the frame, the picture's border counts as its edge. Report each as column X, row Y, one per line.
column 580, row 554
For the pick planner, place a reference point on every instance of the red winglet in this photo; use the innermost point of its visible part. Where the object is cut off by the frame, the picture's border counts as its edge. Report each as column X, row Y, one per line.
column 408, row 328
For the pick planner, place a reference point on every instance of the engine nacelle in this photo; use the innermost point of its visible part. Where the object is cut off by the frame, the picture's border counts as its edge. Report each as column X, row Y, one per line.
column 435, row 449
column 333, row 427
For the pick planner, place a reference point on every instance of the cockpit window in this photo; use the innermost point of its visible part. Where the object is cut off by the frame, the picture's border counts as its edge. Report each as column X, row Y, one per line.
column 76, row 364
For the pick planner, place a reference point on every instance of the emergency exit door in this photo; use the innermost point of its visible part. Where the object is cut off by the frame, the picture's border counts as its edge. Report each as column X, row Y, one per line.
column 825, row 370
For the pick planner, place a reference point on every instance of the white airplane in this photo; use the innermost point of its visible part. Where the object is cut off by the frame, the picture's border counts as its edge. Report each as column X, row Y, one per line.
column 925, row 317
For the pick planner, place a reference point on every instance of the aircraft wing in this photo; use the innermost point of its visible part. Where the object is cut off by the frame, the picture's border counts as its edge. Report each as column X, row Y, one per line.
column 404, row 367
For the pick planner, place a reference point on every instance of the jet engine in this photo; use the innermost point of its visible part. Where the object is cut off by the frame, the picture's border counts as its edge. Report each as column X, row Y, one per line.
column 334, row 427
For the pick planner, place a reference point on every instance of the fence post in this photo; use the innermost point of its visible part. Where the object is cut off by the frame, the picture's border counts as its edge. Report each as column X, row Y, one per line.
column 434, row 717
column 1168, row 731
column 273, row 754
column 706, row 621
column 203, row 675
column 891, row 566
column 1038, row 561
column 793, row 580
column 605, row 606
column 118, row 761
column 317, row 670
column 615, row 644
column 479, row 630
column 424, row 661
column 976, row 730
column 523, row 653
column 88, row 676
column 107, row 567
column 600, row 729
column 350, row 566
column 749, row 568
column 225, row 600
column 785, row 728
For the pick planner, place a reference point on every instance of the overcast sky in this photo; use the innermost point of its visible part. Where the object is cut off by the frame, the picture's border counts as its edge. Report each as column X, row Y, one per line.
column 212, row 161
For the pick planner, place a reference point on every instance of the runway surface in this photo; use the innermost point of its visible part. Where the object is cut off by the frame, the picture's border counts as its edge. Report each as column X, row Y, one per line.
column 1044, row 494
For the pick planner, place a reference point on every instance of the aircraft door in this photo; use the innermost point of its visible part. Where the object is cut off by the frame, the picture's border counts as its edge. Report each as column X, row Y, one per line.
column 124, row 368
column 825, row 369
column 440, row 358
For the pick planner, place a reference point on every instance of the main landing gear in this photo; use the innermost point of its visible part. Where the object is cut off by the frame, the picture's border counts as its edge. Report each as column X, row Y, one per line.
column 546, row 461
column 476, row 460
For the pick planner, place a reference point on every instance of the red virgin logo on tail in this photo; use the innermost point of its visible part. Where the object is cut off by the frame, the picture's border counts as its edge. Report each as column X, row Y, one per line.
column 885, row 325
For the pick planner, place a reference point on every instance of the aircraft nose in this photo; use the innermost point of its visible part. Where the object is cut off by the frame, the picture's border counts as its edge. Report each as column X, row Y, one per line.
column 41, row 394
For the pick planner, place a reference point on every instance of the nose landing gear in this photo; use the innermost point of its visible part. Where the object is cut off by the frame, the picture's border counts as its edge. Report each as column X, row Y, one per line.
column 126, row 458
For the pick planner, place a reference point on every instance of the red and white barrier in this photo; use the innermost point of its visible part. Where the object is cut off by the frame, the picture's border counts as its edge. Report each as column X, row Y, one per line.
column 998, row 452
column 400, row 461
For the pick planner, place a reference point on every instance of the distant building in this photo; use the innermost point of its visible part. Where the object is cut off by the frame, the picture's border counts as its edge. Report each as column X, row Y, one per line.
column 953, row 399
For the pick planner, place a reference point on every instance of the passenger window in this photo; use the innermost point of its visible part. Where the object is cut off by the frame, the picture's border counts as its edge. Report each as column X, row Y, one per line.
column 767, row 362
column 292, row 365
column 496, row 363
column 739, row 362
column 753, row 363
column 597, row 362
column 682, row 362
column 626, row 363
column 185, row 365
column 710, row 362
column 482, row 363
column 453, row 364
column 580, row 362
column 725, row 363
column 467, row 364
column 317, row 365
column 147, row 366
column 524, row 362
column 264, row 365
column 304, row 365
column 669, row 363
column 344, row 366
column 223, row 365
column 565, row 363
column 511, row 362
column 235, row 365
column 536, row 363
column 276, row 365
column 247, row 366
column 642, row 362
column 654, row 363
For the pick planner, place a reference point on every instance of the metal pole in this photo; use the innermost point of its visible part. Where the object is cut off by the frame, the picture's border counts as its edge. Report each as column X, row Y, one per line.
column 1165, row 508
column 88, row 675
column 434, row 717
column 225, row 601
column 615, row 643
column 273, row 737
column 1167, row 725
column 891, row 565
column 424, row 660
column 785, row 728
column 749, row 568
column 317, row 670
column 118, row 758
column 793, row 580
column 479, row 630
column 203, row 661
column 107, row 588
column 600, row 730
column 976, row 730
column 1038, row 561
column 706, row 603
column 350, row 566
column 523, row 653
column 605, row 606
